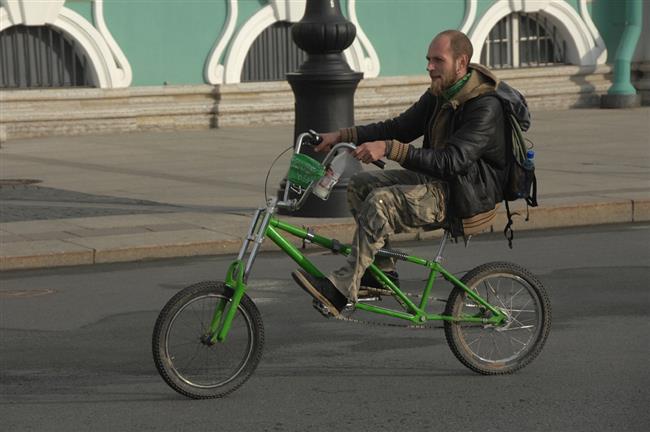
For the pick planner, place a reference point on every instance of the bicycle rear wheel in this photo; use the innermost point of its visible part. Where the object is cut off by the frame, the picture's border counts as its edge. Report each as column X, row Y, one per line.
column 187, row 361
column 493, row 350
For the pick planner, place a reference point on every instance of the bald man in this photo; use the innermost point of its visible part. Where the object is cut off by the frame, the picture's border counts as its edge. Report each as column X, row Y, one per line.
column 454, row 181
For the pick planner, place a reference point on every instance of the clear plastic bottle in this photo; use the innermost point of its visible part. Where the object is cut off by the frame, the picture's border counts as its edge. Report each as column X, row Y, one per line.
column 334, row 170
column 530, row 160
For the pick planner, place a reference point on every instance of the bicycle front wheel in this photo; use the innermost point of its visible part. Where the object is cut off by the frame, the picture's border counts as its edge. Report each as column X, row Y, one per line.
column 185, row 358
column 499, row 349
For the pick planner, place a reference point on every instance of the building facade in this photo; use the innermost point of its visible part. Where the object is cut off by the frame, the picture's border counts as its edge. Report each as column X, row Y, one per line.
column 145, row 44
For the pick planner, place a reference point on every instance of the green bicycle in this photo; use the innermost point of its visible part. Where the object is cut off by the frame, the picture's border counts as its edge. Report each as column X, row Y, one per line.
column 208, row 338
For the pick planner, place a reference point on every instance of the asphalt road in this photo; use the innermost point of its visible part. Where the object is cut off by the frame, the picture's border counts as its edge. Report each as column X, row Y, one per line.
column 76, row 349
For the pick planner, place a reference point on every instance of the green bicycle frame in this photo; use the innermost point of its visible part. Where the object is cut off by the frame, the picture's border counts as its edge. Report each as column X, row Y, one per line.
column 266, row 225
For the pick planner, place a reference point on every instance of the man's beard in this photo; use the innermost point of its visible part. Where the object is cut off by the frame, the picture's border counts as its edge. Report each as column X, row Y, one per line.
column 442, row 84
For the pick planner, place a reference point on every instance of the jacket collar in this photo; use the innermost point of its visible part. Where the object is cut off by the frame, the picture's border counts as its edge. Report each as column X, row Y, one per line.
column 480, row 82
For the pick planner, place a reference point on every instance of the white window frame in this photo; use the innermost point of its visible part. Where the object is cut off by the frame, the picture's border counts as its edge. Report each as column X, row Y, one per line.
column 513, row 39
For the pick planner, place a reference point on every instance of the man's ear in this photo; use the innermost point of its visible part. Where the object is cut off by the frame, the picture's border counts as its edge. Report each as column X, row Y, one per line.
column 462, row 63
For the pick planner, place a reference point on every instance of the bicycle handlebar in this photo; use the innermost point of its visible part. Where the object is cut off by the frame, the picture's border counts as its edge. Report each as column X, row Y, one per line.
column 313, row 138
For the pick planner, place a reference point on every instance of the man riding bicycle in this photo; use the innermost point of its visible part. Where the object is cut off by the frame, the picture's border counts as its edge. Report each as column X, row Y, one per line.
column 453, row 181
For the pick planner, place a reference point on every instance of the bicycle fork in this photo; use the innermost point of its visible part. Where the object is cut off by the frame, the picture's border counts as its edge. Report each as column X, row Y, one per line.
column 237, row 276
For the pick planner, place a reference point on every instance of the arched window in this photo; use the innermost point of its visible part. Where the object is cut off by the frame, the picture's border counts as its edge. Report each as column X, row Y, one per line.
column 272, row 55
column 41, row 56
column 523, row 40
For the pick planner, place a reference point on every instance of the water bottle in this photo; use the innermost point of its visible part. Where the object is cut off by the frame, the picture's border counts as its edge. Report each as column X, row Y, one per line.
column 529, row 164
column 326, row 183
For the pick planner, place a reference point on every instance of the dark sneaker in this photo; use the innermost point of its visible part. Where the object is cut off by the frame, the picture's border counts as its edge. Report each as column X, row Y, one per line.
column 322, row 290
column 369, row 281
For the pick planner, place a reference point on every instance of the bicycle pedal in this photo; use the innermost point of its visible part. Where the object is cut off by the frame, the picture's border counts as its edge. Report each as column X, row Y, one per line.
column 369, row 298
column 320, row 307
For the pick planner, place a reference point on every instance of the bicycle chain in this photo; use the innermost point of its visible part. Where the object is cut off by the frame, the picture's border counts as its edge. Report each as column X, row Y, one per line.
column 378, row 292
column 382, row 324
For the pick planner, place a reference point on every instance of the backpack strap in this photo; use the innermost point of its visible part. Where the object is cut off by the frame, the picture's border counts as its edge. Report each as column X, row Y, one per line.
column 507, row 231
column 532, row 199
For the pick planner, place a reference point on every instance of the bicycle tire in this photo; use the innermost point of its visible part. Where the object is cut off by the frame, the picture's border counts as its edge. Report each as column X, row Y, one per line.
column 193, row 367
column 518, row 293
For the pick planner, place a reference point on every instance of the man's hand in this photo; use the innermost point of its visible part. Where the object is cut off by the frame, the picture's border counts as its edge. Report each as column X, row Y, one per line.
column 329, row 140
column 370, row 151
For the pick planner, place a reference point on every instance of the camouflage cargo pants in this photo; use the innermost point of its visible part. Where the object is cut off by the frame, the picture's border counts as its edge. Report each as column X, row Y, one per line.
column 384, row 203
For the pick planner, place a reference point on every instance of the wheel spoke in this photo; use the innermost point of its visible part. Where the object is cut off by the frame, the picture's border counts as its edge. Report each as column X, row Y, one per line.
column 198, row 369
column 496, row 346
column 187, row 343
column 517, row 340
column 523, row 327
column 191, row 360
column 520, row 311
column 496, row 295
column 520, row 325
column 489, row 348
column 473, row 341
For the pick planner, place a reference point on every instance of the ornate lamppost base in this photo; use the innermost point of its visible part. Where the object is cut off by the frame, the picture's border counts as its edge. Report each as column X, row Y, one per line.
column 324, row 87
column 620, row 101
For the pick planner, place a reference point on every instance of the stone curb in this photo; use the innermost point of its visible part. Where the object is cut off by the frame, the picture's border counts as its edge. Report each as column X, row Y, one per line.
column 57, row 253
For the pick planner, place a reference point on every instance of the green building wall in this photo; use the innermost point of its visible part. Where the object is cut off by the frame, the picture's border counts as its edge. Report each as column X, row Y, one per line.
column 169, row 42
column 82, row 7
column 401, row 31
column 166, row 41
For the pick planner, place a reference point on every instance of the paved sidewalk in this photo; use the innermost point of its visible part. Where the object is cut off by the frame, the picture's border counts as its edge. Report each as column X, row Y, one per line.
column 126, row 197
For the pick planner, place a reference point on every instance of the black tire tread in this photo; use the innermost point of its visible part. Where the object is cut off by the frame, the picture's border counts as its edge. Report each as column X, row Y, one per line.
column 177, row 301
column 481, row 271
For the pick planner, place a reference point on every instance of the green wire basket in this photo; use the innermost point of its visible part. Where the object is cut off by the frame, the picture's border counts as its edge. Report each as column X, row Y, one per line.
column 303, row 170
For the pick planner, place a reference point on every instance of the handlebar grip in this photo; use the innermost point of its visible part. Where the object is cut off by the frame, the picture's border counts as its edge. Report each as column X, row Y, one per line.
column 316, row 138
column 379, row 163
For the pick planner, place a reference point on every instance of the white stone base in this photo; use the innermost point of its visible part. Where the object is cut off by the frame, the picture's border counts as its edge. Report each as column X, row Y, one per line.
column 31, row 113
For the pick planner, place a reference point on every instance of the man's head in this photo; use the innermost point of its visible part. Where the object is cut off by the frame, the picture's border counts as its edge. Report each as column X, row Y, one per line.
column 447, row 59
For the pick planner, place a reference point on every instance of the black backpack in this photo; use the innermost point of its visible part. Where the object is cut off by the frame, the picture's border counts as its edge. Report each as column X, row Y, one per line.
column 520, row 180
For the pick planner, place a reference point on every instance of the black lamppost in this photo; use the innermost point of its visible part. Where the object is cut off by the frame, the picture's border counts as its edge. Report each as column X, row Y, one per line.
column 324, row 88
